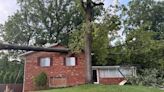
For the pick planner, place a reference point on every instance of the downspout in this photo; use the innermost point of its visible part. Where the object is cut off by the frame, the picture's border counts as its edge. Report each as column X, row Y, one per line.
column 122, row 74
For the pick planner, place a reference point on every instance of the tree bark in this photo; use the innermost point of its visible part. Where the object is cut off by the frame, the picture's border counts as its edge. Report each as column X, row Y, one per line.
column 88, row 8
column 30, row 48
column 88, row 41
column 88, row 58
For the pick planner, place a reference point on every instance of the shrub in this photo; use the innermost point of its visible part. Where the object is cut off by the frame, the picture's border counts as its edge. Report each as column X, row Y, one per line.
column 149, row 77
column 41, row 80
column 6, row 77
column 1, row 76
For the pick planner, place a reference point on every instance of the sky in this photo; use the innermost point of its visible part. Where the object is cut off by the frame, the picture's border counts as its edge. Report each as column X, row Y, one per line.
column 9, row 7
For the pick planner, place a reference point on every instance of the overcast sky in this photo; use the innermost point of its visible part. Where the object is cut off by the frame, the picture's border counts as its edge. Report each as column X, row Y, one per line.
column 8, row 7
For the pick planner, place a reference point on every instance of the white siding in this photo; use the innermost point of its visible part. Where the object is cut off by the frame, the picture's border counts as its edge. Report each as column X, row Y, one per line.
column 114, row 72
column 106, row 73
column 127, row 71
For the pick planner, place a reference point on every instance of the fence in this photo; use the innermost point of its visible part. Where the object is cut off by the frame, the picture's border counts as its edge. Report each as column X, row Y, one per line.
column 13, row 87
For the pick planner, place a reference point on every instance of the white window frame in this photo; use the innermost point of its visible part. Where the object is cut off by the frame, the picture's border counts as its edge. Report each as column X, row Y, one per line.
column 70, row 61
column 45, row 62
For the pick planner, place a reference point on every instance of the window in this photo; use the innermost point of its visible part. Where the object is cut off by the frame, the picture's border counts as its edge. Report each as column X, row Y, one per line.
column 70, row 61
column 109, row 73
column 114, row 72
column 45, row 62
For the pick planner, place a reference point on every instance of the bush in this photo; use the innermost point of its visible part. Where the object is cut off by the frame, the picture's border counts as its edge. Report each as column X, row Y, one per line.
column 41, row 80
column 6, row 77
column 149, row 77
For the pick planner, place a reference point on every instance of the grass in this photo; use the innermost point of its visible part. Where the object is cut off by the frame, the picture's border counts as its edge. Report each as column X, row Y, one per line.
column 104, row 88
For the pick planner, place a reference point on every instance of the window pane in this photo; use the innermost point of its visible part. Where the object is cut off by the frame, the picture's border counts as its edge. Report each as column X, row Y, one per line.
column 70, row 61
column 67, row 61
column 45, row 61
column 107, row 73
column 41, row 63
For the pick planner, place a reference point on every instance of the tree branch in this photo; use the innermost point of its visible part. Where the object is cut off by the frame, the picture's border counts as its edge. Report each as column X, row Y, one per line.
column 82, row 4
column 97, row 4
column 31, row 48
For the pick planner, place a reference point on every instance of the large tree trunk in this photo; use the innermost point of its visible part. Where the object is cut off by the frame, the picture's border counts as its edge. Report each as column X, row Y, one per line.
column 88, row 58
column 88, row 41
column 88, row 8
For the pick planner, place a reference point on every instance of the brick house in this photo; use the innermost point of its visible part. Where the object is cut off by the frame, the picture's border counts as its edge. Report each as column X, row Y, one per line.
column 62, row 68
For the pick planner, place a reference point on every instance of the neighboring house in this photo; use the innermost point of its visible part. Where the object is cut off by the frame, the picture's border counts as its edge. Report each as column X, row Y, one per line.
column 62, row 69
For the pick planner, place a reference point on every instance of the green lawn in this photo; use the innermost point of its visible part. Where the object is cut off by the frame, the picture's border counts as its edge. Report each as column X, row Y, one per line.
column 104, row 88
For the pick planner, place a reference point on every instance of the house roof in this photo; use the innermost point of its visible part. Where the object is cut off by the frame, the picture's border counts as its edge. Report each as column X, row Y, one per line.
column 109, row 67
column 51, row 48
column 104, row 67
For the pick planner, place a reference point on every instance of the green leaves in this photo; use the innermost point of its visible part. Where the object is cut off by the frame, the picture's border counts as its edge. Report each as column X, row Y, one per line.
column 100, row 44
column 11, row 75
column 143, row 45
column 41, row 80
column 76, row 41
column 145, row 12
column 40, row 22
column 9, row 70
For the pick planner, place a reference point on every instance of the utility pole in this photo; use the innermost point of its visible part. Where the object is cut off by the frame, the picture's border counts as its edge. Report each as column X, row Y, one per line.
column 88, row 6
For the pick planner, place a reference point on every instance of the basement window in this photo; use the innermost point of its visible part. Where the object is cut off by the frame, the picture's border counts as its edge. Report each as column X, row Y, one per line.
column 70, row 61
column 45, row 62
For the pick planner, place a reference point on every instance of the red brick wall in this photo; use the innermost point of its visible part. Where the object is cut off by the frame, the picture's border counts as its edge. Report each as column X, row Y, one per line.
column 74, row 75
column 110, row 81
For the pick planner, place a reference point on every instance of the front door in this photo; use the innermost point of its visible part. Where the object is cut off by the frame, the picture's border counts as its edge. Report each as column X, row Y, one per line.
column 94, row 75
